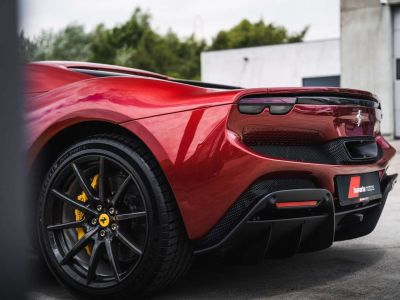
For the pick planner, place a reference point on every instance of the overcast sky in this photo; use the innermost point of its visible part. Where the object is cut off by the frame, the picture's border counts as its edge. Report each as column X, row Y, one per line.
column 204, row 17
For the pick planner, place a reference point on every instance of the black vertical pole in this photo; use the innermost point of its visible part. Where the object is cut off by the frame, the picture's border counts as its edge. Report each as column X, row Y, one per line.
column 12, row 185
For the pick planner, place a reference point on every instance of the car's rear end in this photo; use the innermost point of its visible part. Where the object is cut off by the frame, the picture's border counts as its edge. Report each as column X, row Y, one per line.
column 268, row 172
column 318, row 161
column 262, row 172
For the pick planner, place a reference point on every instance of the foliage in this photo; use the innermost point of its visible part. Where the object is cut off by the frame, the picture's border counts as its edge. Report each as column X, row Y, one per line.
column 247, row 34
column 28, row 48
column 136, row 44
column 70, row 43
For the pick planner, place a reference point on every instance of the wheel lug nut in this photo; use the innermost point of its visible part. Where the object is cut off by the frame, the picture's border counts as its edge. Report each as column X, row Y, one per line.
column 114, row 226
column 102, row 233
column 94, row 221
column 111, row 210
column 99, row 207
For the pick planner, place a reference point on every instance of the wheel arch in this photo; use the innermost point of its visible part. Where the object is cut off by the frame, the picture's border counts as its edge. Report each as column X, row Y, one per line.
column 72, row 134
column 65, row 138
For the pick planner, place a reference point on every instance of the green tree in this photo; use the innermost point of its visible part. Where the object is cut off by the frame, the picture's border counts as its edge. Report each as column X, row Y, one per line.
column 136, row 44
column 247, row 34
column 27, row 48
column 70, row 43
column 107, row 43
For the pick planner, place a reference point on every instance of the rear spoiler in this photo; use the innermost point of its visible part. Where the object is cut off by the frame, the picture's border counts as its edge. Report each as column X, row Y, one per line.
column 307, row 92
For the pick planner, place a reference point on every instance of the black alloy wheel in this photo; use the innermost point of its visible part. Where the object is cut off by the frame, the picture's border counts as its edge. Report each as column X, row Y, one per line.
column 98, row 223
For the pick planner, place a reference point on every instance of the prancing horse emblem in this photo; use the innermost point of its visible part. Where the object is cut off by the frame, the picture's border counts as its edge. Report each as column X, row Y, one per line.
column 104, row 220
column 359, row 118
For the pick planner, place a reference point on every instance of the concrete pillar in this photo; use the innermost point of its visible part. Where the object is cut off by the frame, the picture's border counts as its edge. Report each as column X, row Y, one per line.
column 367, row 52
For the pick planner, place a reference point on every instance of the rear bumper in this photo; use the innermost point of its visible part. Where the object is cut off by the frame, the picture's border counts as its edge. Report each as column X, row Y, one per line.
column 279, row 225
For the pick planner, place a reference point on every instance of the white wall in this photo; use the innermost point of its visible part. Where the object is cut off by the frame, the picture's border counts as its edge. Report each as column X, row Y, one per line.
column 269, row 66
column 367, row 52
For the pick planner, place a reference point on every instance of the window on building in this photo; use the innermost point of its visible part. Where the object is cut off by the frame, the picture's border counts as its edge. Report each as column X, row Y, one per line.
column 322, row 81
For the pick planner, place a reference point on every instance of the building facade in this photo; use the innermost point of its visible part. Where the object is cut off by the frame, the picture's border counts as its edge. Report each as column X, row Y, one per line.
column 294, row 64
column 367, row 56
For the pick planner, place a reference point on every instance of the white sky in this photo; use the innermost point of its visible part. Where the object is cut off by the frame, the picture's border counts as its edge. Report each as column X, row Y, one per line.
column 204, row 17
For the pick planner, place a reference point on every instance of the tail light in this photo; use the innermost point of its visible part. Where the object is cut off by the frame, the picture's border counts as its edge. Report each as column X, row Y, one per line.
column 256, row 105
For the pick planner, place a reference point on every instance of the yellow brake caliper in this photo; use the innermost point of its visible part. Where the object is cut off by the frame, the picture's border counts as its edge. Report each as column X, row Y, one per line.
column 80, row 215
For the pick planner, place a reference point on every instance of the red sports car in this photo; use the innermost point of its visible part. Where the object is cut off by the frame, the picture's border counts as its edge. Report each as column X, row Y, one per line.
column 135, row 172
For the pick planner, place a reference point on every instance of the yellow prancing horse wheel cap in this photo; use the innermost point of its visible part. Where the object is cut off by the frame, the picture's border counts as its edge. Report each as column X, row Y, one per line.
column 104, row 220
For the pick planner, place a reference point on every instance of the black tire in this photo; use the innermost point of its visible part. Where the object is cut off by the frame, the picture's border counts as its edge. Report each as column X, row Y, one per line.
column 164, row 252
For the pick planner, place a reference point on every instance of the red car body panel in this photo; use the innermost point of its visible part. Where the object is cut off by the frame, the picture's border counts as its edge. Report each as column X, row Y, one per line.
column 195, row 133
column 41, row 78
column 74, row 99
column 208, row 166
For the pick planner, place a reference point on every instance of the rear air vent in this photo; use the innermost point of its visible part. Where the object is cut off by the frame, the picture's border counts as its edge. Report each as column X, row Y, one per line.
column 360, row 150
column 343, row 151
column 258, row 135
